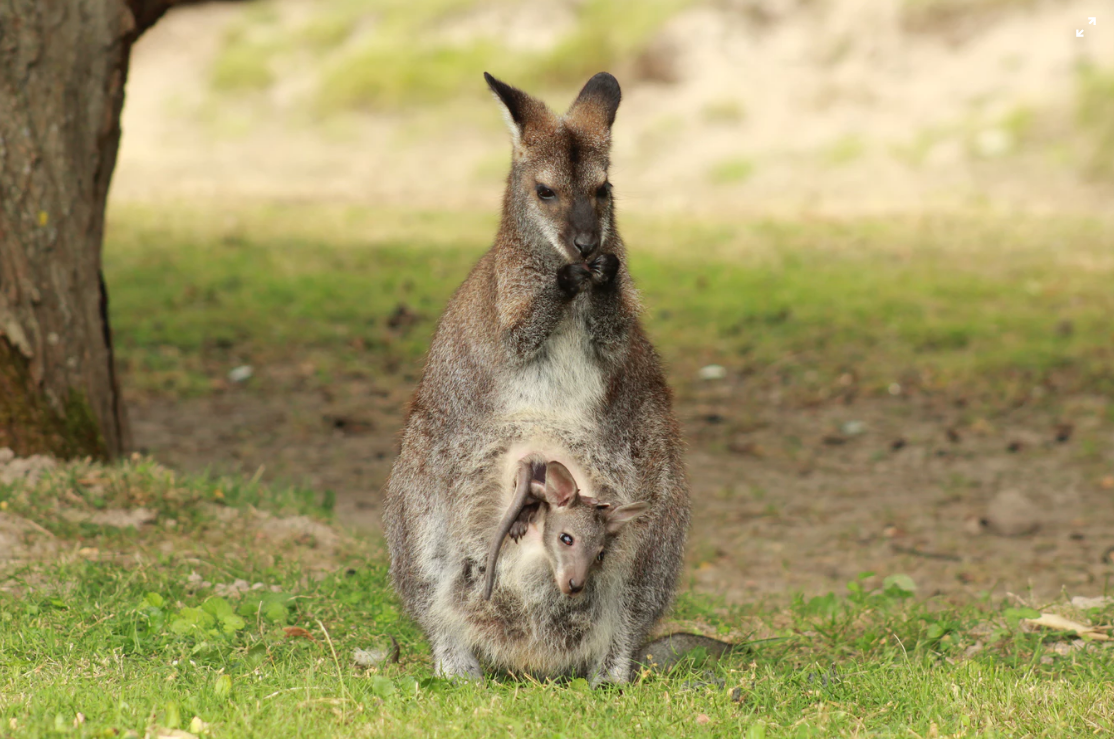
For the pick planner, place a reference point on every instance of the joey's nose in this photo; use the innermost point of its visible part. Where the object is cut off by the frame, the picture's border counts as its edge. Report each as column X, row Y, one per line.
column 575, row 586
column 586, row 244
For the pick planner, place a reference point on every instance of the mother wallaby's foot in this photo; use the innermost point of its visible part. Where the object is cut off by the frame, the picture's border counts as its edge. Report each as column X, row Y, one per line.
column 455, row 661
column 613, row 671
column 616, row 666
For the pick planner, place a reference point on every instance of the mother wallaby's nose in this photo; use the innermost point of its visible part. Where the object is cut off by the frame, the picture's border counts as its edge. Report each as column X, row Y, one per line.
column 586, row 244
column 575, row 586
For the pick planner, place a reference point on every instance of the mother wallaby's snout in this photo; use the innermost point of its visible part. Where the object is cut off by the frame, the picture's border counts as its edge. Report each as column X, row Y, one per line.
column 585, row 227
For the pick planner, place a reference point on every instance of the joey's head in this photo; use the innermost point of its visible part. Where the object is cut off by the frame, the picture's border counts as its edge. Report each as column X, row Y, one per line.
column 577, row 529
column 558, row 192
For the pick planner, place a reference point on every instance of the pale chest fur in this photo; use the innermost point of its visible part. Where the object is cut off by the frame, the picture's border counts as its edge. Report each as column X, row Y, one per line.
column 563, row 382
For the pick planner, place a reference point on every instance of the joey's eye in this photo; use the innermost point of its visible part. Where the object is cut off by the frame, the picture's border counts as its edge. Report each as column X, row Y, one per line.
column 599, row 557
column 566, row 540
column 545, row 193
column 603, row 190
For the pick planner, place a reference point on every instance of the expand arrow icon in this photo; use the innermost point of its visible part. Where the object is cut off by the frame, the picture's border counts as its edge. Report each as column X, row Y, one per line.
column 1079, row 33
column 1093, row 20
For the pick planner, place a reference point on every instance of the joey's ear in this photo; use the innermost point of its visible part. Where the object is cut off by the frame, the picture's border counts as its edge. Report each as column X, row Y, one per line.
column 560, row 488
column 619, row 517
column 519, row 108
column 595, row 106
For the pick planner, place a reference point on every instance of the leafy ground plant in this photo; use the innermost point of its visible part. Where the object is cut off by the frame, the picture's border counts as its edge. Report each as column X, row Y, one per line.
column 198, row 622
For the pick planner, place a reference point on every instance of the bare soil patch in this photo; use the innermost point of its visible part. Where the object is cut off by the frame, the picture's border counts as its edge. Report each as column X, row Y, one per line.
column 784, row 499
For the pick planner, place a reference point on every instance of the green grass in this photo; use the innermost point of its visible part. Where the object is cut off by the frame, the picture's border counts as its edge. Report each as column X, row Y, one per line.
column 731, row 171
column 1000, row 309
column 124, row 633
column 844, row 150
column 1095, row 116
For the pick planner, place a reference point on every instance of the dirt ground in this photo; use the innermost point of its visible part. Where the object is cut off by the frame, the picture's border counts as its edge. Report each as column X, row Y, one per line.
column 802, row 500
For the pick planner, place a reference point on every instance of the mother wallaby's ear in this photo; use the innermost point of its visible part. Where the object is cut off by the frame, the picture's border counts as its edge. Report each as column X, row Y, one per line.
column 519, row 109
column 597, row 103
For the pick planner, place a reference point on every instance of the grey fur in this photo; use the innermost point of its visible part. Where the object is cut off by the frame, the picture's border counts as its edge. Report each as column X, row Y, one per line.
column 575, row 529
column 540, row 351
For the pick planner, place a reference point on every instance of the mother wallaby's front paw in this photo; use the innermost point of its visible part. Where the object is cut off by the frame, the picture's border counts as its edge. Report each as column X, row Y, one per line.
column 572, row 278
column 603, row 269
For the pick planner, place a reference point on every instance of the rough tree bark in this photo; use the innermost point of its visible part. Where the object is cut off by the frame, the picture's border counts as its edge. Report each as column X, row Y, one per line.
column 63, row 64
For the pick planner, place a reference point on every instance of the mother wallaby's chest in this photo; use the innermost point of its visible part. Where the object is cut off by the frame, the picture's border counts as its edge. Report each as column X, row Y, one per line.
column 564, row 380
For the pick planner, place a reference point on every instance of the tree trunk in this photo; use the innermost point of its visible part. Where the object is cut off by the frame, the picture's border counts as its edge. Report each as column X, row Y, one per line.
column 62, row 69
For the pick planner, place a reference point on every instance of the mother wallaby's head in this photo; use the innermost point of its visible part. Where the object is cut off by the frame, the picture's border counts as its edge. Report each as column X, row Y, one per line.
column 558, row 190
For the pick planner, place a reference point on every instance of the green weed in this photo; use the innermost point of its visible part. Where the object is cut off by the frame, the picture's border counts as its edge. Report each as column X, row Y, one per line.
column 1095, row 115
column 731, row 171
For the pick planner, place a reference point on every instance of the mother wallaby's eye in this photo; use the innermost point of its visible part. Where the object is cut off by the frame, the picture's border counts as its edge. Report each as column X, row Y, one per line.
column 604, row 190
column 545, row 193
column 599, row 557
column 566, row 540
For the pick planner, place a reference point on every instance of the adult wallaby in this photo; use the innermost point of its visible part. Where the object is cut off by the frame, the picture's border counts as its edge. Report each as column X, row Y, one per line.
column 540, row 352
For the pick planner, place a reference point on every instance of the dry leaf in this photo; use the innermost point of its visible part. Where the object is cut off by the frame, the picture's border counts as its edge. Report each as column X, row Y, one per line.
column 293, row 632
column 1059, row 623
column 1084, row 602
column 159, row 733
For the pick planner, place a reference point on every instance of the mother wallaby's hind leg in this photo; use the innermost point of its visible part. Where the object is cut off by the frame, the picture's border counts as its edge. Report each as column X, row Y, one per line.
column 453, row 659
column 616, row 665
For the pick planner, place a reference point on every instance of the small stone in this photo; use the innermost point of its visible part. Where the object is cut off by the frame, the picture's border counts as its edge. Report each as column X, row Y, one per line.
column 974, row 525
column 712, row 372
column 1010, row 513
column 853, row 428
column 242, row 373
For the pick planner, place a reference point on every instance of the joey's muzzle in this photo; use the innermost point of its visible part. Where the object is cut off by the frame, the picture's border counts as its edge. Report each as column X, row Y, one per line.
column 572, row 583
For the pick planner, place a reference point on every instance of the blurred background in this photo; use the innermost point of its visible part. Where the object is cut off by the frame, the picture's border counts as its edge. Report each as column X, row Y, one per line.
column 874, row 240
column 730, row 106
